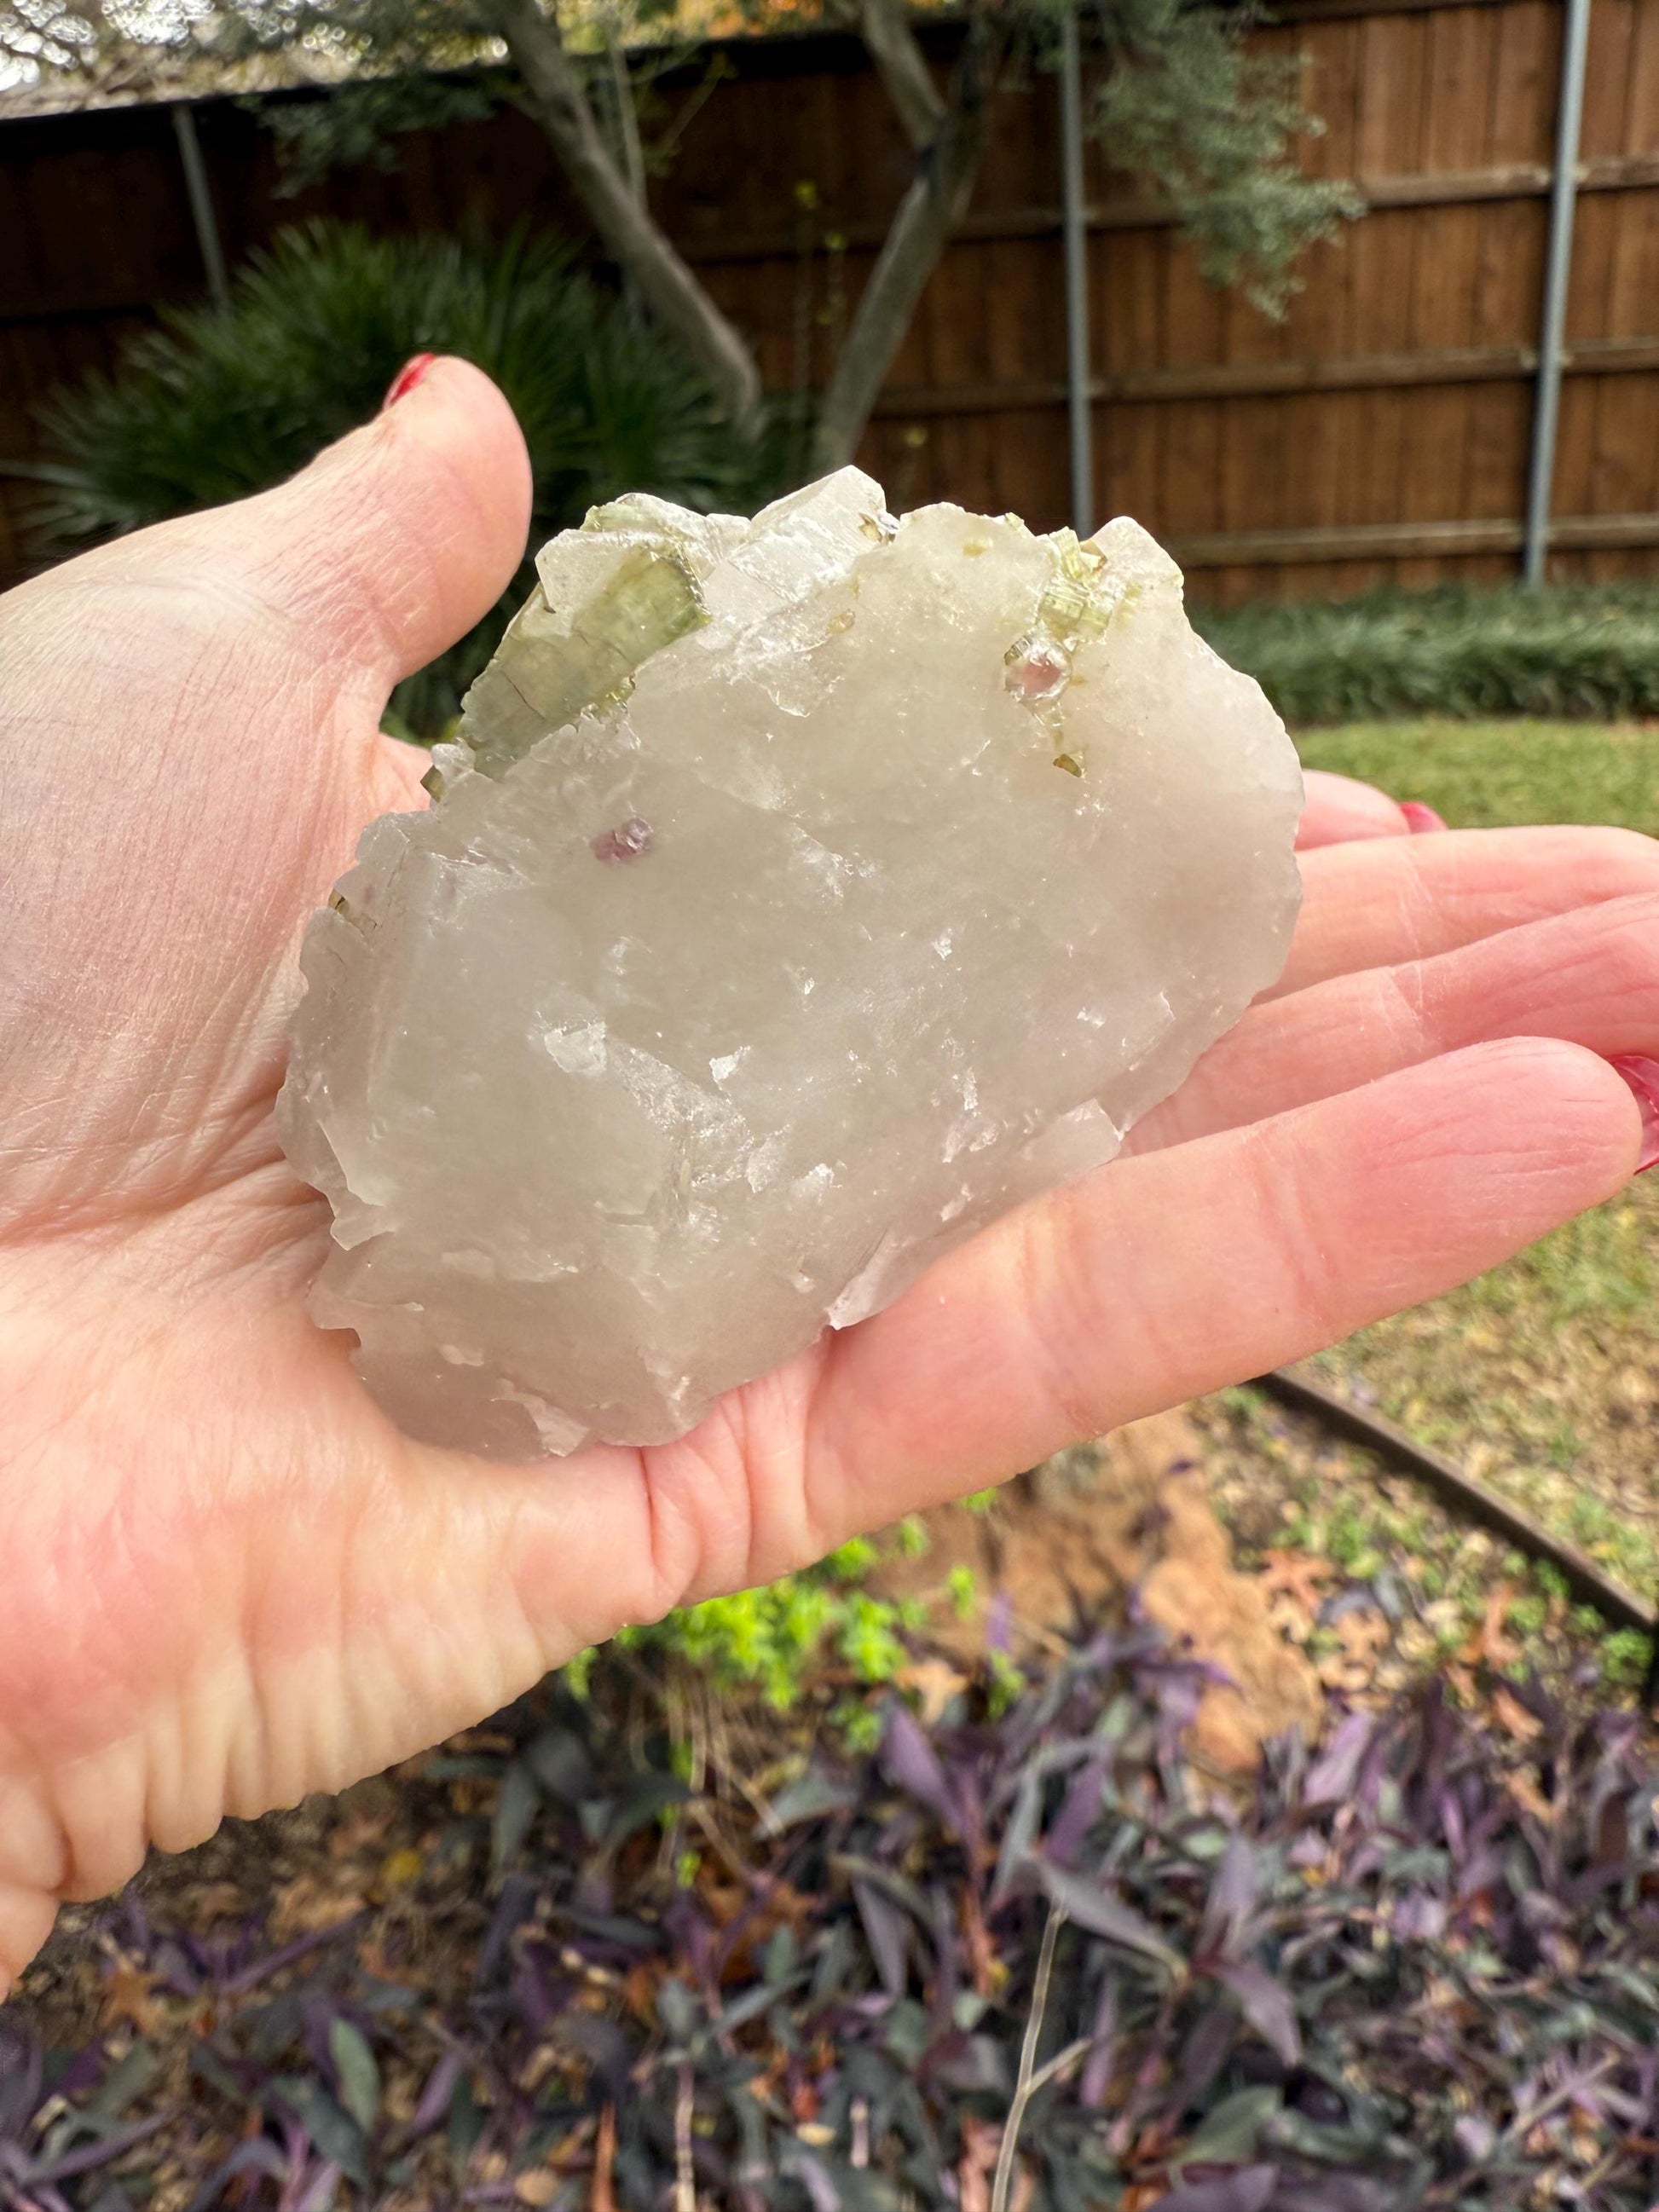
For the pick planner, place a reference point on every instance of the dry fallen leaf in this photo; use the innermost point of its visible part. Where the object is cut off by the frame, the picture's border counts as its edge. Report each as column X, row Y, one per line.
column 1301, row 1576
column 1364, row 1636
column 1522, row 1786
column 305, row 1906
column 130, row 1995
column 1364, row 1633
column 1490, row 1643
column 1513, row 1717
column 603, row 2195
column 935, row 1682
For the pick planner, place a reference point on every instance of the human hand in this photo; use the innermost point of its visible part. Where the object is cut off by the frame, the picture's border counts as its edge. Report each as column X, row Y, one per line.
column 228, row 1580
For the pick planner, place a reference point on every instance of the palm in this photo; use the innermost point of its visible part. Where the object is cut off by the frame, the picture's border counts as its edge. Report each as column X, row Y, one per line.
column 231, row 1580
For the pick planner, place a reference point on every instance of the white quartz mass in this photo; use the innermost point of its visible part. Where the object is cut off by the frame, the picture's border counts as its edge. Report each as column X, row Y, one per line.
column 799, row 895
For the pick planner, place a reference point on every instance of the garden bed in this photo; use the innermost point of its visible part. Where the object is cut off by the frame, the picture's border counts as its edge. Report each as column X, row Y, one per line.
column 1023, row 1957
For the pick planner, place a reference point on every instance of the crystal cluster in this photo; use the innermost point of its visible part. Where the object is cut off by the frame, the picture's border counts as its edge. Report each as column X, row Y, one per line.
column 798, row 895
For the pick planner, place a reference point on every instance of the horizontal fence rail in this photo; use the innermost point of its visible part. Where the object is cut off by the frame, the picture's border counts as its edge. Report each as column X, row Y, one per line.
column 1378, row 433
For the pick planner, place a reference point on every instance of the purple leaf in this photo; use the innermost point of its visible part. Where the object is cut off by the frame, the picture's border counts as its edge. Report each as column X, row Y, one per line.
column 260, row 2155
column 1077, row 1814
column 1249, row 2189
column 1474, row 2136
column 19, row 2078
column 1017, row 1836
column 274, row 1962
column 1333, row 1775
column 813, row 2176
column 320, row 2191
column 1342, row 2192
column 1097, row 2075
column 910, row 1763
column 1233, row 1898
column 1419, row 1916
column 434, row 2098
column 94, row 2154
column 887, row 1931
column 1265, row 2003
column 1101, row 1914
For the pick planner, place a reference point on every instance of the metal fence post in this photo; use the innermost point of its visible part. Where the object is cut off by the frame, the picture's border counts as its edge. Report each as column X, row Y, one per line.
column 201, row 203
column 1557, row 267
column 1079, row 398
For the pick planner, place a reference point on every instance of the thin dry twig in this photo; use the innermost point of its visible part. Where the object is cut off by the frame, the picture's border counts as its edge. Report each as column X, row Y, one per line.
column 685, row 2171
column 1026, row 2081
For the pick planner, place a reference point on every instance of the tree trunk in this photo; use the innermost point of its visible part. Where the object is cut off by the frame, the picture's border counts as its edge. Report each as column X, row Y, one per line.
column 555, row 98
column 927, row 216
column 884, row 26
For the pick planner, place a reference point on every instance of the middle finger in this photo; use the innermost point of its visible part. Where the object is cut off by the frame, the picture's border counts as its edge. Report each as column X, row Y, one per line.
column 1589, row 977
column 1390, row 899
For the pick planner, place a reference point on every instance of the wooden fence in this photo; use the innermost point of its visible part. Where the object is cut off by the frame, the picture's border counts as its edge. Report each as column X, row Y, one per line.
column 1378, row 432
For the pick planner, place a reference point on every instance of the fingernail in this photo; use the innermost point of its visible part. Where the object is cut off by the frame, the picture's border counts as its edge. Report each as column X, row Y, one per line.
column 1419, row 818
column 406, row 379
column 1643, row 1076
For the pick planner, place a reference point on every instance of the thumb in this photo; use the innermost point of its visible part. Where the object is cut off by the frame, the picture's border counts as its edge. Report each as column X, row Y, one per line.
column 395, row 540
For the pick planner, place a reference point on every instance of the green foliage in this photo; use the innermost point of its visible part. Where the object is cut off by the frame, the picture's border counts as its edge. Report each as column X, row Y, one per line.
column 422, row 64
column 359, row 123
column 860, row 1724
column 913, row 1537
column 778, row 1638
column 1007, row 1683
column 1578, row 652
column 1528, row 1613
column 1624, row 1657
column 962, row 1585
column 213, row 406
column 1216, row 127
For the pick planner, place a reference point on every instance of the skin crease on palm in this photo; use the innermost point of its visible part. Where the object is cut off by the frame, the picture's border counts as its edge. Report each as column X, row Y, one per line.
column 226, row 1579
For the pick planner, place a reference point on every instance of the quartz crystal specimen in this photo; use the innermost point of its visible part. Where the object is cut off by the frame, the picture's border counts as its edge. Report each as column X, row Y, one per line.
column 798, row 895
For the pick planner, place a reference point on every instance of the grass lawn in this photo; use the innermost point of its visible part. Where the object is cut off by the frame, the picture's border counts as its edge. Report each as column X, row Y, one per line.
column 1543, row 1375
column 1482, row 774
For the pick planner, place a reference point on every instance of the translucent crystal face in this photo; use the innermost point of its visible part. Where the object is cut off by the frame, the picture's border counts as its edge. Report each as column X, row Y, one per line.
column 800, row 894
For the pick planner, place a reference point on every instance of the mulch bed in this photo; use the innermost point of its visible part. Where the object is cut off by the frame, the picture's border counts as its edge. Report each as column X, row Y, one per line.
column 1019, row 1958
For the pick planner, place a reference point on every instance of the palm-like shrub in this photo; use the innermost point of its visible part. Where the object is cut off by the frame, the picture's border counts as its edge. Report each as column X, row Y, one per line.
column 215, row 405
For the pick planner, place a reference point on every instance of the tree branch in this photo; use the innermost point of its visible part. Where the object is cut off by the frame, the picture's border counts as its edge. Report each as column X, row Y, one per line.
column 555, row 98
column 884, row 25
column 927, row 216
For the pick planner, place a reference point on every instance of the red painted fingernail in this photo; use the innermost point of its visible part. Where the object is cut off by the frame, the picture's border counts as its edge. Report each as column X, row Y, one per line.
column 1419, row 818
column 1643, row 1076
column 406, row 379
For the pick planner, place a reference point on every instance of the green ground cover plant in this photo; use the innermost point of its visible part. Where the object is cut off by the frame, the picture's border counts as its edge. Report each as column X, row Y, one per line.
column 1581, row 650
column 778, row 1638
